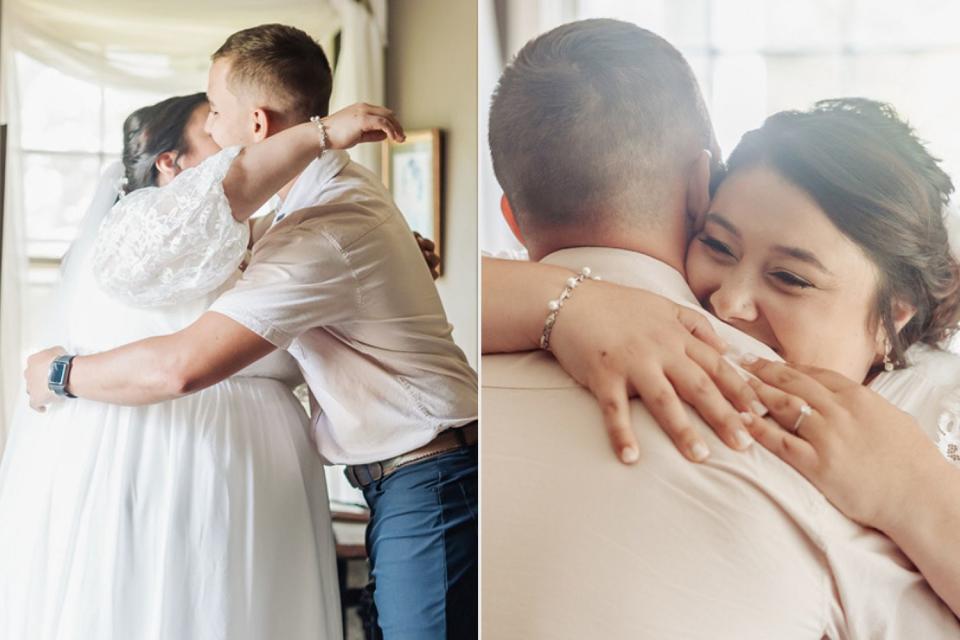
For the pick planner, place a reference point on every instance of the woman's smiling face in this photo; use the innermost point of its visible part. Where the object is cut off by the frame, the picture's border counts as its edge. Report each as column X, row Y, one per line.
column 767, row 260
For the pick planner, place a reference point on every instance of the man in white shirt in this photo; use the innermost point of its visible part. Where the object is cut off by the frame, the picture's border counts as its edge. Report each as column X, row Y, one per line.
column 340, row 283
column 597, row 133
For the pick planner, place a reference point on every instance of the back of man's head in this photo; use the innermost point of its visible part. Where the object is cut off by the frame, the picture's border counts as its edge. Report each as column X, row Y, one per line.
column 592, row 124
column 280, row 64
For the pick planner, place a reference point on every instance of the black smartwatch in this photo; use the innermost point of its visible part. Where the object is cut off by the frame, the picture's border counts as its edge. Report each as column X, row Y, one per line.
column 59, row 376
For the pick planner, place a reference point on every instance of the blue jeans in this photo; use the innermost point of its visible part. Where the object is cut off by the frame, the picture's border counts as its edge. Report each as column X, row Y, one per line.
column 422, row 544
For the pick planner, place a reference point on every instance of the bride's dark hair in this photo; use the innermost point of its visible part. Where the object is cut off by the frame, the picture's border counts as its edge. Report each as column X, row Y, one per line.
column 150, row 131
column 878, row 184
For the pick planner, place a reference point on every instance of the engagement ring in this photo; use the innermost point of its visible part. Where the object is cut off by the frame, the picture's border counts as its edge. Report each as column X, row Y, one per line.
column 805, row 410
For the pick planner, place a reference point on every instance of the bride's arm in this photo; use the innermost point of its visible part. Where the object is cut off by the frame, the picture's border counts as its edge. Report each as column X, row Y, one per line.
column 621, row 342
column 871, row 460
column 262, row 169
column 926, row 526
column 514, row 295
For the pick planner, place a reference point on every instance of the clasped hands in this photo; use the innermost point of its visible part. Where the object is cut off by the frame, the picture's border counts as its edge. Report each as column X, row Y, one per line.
column 857, row 448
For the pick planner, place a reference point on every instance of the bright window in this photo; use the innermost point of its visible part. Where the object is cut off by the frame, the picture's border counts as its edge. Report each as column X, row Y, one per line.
column 70, row 130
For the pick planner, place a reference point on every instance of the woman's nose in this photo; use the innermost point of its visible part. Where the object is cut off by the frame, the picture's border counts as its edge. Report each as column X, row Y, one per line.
column 734, row 300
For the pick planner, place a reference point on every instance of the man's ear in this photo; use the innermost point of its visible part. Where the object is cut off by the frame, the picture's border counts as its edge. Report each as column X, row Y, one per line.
column 698, row 185
column 167, row 168
column 261, row 124
column 511, row 219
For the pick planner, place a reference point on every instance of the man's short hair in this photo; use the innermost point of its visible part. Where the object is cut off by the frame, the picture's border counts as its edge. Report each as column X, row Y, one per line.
column 592, row 119
column 284, row 64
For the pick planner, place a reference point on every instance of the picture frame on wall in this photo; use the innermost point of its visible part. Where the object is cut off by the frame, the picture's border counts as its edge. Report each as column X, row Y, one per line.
column 412, row 171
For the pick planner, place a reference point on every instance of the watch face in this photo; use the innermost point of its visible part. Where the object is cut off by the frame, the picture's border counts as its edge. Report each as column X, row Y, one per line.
column 58, row 373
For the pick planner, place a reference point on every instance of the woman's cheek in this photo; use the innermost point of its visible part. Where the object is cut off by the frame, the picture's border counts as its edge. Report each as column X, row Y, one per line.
column 800, row 336
column 698, row 274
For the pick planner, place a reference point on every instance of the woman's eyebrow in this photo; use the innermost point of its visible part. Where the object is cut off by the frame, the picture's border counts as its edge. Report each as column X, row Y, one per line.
column 716, row 218
column 803, row 255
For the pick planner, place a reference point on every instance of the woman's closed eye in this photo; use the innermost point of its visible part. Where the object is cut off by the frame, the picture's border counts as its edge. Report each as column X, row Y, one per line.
column 715, row 246
column 791, row 280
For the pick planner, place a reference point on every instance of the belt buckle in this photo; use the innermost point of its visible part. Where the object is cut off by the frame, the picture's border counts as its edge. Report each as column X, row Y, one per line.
column 379, row 467
column 360, row 476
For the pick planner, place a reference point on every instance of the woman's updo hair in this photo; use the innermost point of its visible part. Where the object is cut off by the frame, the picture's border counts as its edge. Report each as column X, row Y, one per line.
column 881, row 188
column 150, row 131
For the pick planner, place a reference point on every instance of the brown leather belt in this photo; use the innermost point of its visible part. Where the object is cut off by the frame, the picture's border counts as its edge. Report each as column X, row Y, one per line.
column 363, row 475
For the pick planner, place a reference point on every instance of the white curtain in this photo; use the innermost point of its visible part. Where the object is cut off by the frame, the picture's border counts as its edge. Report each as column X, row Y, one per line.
column 359, row 75
column 162, row 47
column 14, row 263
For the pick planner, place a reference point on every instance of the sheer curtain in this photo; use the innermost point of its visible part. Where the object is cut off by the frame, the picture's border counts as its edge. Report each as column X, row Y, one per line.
column 360, row 65
column 151, row 48
column 14, row 262
column 160, row 46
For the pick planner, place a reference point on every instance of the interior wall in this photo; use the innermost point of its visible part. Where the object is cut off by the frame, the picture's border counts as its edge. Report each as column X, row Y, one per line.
column 431, row 76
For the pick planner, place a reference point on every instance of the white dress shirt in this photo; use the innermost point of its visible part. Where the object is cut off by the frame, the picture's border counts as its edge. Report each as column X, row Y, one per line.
column 577, row 545
column 340, row 282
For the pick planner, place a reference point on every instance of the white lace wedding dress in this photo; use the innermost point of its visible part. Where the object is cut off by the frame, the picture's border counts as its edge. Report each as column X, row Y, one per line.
column 200, row 518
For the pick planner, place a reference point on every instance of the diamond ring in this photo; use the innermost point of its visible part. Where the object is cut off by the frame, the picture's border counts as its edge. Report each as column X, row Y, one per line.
column 805, row 410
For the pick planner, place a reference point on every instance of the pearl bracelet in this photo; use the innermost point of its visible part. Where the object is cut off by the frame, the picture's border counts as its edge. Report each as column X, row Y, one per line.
column 323, row 133
column 555, row 305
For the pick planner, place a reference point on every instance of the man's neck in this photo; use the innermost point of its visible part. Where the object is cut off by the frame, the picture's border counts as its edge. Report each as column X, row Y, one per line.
column 667, row 243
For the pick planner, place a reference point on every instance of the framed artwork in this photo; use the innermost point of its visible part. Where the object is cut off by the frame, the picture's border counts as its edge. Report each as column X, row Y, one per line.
column 412, row 172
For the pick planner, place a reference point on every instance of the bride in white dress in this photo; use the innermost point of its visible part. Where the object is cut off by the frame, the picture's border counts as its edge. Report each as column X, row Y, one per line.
column 200, row 518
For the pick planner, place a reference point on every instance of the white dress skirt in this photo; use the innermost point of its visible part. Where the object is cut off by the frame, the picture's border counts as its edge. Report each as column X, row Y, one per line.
column 200, row 518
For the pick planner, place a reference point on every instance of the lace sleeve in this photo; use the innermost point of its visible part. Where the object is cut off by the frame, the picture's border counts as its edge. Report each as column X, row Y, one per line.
column 948, row 427
column 171, row 244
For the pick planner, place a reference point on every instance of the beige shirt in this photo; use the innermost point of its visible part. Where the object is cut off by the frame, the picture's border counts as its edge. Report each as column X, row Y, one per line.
column 577, row 545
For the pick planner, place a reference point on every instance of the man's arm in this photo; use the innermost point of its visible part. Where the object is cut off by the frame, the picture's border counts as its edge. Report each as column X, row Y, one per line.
column 155, row 369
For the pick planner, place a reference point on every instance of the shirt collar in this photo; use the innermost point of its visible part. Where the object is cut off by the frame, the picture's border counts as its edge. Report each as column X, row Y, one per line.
column 312, row 181
column 627, row 268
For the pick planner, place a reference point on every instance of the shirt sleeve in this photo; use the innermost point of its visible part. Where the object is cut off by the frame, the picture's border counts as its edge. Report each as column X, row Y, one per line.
column 172, row 244
column 298, row 278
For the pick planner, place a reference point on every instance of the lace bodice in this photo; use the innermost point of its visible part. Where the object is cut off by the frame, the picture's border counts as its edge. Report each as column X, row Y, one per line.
column 168, row 245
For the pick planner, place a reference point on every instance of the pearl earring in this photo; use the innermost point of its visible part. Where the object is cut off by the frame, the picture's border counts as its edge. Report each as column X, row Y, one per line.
column 887, row 362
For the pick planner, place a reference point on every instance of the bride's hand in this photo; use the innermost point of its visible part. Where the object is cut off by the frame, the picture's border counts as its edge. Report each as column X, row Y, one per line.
column 360, row 123
column 429, row 250
column 621, row 342
column 36, row 374
column 865, row 455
